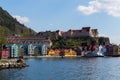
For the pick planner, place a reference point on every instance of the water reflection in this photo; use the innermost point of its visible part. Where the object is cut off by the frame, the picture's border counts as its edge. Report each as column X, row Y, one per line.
column 66, row 69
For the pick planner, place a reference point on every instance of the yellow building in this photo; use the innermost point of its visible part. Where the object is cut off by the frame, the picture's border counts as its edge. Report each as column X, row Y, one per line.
column 70, row 52
column 116, row 50
column 51, row 52
column 54, row 52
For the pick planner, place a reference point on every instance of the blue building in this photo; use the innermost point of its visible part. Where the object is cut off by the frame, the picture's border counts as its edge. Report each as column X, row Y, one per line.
column 17, row 50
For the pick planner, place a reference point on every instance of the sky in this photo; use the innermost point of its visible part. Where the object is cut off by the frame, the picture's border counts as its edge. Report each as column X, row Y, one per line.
column 44, row 15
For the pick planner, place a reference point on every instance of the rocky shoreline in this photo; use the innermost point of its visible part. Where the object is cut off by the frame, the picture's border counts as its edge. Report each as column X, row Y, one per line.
column 12, row 63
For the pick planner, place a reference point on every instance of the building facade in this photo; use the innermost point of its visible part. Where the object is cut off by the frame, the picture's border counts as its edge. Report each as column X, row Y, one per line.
column 5, row 53
column 84, row 32
column 17, row 50
column 49, row 34
column 27, row 46
column 29, row 40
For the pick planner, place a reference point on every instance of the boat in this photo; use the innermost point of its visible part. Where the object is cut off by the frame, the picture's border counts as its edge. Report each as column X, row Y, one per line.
column 98, row 52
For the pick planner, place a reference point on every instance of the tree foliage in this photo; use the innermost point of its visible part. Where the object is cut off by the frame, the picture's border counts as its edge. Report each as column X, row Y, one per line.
column 70, row 42
column 75, row 42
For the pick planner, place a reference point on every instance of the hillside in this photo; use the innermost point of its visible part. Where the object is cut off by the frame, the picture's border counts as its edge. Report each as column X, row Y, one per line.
column 9, row 26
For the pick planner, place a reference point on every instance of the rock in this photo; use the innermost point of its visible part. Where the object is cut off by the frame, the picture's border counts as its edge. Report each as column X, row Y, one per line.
column 13, row 64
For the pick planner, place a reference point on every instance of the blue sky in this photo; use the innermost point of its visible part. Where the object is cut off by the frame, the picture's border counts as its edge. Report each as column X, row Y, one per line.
column 42, row 15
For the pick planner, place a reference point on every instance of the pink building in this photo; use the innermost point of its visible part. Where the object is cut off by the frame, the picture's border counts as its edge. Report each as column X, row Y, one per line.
column 5, row 53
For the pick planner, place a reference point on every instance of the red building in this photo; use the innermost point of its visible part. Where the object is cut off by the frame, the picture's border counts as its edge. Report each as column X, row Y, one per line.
column 85, row 31
column 5, row 53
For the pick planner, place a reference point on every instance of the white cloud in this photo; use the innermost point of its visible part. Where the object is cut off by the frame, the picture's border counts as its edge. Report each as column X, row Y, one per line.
column 21, row 19
column 111, row 7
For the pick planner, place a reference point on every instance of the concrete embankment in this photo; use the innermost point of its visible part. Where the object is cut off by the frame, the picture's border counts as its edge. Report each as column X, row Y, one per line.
column 12, row 63
column 28, row 57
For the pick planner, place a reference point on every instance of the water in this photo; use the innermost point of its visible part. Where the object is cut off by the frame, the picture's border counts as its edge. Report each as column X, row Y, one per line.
column 104, row 68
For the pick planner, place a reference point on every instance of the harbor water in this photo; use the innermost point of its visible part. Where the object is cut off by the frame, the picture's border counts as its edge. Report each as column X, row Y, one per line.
column 98, row 68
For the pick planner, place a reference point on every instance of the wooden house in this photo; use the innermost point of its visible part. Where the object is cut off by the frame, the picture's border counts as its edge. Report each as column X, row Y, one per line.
column 5, row 53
